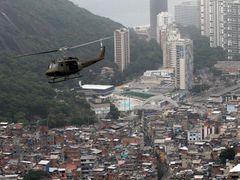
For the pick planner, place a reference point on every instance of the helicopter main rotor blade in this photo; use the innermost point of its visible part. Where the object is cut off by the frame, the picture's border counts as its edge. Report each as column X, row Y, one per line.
column 65, row 48
column 33, row 54
column 88, row 43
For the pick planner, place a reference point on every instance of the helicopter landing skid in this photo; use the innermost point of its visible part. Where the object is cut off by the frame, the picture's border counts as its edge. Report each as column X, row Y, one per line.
column 61, row 79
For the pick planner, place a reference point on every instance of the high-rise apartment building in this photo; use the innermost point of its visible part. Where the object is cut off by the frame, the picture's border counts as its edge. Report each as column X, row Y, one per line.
column 220, row 22
column 204, row 17
column 162, row 24
column 122, row 48
column 212, row 21
column 180, row 57
column 216, row 27
column 163, row 21
column 173, row 35
column 156, row 7
column 188, row 14
column 184, row 64
column 232, row 28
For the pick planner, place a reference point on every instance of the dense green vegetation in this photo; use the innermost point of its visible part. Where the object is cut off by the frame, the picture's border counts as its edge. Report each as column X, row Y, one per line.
column 36, row 175
column 138, row 94
column 204, row 55
column 227, row 154
column 200, row 88
column 114, row 112
column 31, row 26
column 34, row 25
column 144, row 56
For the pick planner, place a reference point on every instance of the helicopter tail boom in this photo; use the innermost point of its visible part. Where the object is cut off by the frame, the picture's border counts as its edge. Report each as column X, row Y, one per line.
column 93, row 61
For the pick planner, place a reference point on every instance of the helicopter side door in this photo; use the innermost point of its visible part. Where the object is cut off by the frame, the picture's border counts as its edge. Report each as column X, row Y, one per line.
column 62, row 68
column 72, row 66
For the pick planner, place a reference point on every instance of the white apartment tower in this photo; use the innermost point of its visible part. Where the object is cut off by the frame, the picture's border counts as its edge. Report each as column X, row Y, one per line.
column 162, row 24
column 216, row 23
column 180, row 57
column 173, row 35
column 184, row 64
column 204, row 17
column 212, row 21
column 163, row 21
column 232, row 28
column 121, row 48
column 220, row 22
column 156, row 7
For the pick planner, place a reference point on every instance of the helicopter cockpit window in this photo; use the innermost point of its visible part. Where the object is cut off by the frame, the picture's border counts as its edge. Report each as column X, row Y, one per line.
column 53, row 65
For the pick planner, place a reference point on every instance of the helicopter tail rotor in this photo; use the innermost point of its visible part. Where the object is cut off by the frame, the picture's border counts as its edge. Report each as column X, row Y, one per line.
column 101, row 43
column 102, row 54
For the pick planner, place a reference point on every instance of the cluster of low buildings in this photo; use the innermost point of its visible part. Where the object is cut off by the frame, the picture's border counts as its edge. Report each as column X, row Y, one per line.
column 190, row 138
column 184, row 142
column 180, row 142
column 190, row 144
column 107, row 150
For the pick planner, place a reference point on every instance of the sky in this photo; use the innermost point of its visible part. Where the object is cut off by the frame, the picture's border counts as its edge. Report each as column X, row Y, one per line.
column 127, row 12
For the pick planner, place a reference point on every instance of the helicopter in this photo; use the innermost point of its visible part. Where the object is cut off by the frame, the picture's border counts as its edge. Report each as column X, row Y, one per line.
column 69, row 67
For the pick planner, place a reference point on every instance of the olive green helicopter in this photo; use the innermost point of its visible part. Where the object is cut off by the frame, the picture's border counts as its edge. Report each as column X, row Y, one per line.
column 69, row 67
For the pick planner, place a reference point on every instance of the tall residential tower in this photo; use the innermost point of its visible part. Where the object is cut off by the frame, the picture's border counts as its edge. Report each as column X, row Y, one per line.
column 204, row 15
column 121, row 48
column 156, row 7
column 220, row 22
column 163, row 21
column 232, row 29
column 184, row 64
column 179, row 56
column 212, row 21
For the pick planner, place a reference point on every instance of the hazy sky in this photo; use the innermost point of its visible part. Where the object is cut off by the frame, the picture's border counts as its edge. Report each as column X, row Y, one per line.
column 128, row 12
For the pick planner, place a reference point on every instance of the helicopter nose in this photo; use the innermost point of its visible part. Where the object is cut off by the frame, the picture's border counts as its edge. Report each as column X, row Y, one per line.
column 49, row 73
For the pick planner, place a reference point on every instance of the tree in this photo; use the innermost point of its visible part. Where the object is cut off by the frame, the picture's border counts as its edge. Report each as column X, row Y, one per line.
column 200, row 88
column 216, row 72
column 36, row 175
column 20, row 117
column 57, row 120
column 144, row 56
column 114, row 112
column 227, row 154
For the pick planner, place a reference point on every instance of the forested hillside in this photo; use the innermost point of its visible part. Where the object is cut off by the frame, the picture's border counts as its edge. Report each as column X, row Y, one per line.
column 28, row 26
column 32, row 26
